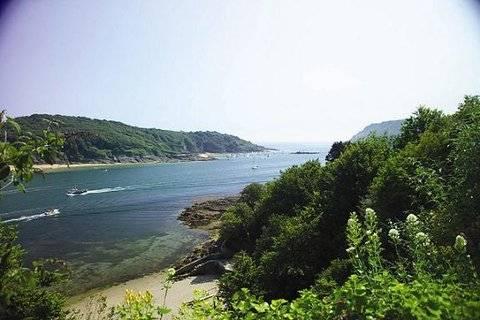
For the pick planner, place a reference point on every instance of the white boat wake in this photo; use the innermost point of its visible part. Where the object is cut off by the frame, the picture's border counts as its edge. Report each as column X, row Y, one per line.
column 48, row 213
column 104, row 190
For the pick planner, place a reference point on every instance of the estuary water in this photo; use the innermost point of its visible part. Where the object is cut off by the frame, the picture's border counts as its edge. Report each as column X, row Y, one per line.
column 126, row 224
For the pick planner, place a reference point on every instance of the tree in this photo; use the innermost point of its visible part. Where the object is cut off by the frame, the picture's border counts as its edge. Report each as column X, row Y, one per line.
column 26, row 293
column 422, row 120
column 336, row 150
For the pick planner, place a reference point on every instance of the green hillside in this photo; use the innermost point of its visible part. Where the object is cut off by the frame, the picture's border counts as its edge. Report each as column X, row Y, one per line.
column 93, row 140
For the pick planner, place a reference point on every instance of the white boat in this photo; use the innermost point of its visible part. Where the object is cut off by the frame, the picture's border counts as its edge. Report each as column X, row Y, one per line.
column 51, row 212
column 75, row 191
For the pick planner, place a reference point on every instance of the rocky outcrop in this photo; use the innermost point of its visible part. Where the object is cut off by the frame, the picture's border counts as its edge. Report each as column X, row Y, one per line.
column 210, row 257
column 203, row 213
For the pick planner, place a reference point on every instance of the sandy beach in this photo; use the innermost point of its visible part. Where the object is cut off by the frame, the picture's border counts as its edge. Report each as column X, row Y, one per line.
column 180, row 292
column 63, row 167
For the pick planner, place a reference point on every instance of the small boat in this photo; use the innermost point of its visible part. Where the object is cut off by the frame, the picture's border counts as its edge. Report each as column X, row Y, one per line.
column 254, row 167
column 51, row 212
column 76, row 191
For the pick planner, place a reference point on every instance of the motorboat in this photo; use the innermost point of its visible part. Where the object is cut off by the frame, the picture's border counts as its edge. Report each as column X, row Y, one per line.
column 51, row 212
column 75, row 191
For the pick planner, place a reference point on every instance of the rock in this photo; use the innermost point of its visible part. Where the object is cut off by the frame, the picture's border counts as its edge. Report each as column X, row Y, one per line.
column 225, row 250
column 203, row 213
column 211, row 267
column 209, row 257
column 206, row 248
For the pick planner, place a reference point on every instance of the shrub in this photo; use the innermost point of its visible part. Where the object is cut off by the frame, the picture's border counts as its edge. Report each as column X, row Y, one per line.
column 377, row 289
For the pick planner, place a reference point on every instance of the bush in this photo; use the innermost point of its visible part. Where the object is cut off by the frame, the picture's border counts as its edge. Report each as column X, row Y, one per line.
column 377, row 289
column 28, row 293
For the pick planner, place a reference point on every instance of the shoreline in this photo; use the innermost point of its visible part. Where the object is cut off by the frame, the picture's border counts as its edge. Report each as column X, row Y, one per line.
column 207, row 156
column 46, row 168
column 58, row 167
column 183, row 287
column 182, row 291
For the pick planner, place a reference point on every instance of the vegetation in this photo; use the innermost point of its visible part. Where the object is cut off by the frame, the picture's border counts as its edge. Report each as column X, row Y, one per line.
column 411, row 252
column 26, row 293
column 88, row 140
column 289, row 234
column 422, row 281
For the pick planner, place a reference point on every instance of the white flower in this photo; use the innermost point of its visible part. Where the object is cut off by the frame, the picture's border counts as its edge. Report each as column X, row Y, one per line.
column 352, row 221
column 460, row 243
column 369, row 211
column 394, row 234
column 170, row 272
column 411, row 218
column 422, row 237
column 350, row 249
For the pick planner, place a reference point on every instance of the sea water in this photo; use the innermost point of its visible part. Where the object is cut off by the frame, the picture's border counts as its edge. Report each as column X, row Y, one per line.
column 126, row 224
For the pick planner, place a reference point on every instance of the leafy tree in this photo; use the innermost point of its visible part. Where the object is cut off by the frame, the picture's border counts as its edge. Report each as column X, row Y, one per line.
column 404, row 186
column 294, row 230
column 463, row 204
column 422, row 120
column 336, row 150
column 424, row 281
column 26, row 293
column 252, row 194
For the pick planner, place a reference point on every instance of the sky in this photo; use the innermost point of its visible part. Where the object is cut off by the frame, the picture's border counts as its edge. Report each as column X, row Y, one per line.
column 276, row 71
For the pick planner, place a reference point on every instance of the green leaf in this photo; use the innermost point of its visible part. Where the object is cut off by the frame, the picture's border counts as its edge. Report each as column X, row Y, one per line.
column 14, row 124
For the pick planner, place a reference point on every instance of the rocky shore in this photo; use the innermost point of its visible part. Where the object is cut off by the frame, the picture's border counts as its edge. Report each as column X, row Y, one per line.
column 205, row 213
column 198, row 270
column 212, row 256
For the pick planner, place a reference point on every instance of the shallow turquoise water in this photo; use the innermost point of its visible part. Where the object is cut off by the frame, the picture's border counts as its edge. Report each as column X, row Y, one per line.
column 126, row 225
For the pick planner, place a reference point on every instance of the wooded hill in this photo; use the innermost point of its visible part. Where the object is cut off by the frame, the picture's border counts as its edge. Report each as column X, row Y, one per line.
column 93, row 140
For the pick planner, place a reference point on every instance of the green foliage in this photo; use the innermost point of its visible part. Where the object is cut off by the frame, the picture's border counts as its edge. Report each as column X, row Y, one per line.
column 293, row 261
column 462, row 212
column 26, row 293
column 139, row 306
column 292, row 232
column 17, row 158
column 252, row 194
column 244, row 276
column 404, row 185
column 101, row 140
column 295, row 227
column 336, row 150
column 405, row 288
column 422, row 120
column 332, row 277
column 238, row 222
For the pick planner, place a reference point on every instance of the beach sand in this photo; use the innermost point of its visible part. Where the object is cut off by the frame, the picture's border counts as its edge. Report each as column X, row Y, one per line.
column 180, row 292
column 63, row 167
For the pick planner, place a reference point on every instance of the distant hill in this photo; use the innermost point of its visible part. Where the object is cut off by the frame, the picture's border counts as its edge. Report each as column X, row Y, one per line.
column 93, row 140
column 388, row 128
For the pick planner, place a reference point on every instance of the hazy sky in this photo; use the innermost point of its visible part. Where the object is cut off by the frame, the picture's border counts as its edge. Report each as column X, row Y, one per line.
column 263, row 70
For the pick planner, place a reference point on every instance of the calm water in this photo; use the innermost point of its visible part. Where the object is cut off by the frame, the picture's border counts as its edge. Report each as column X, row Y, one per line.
column 126, row 224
